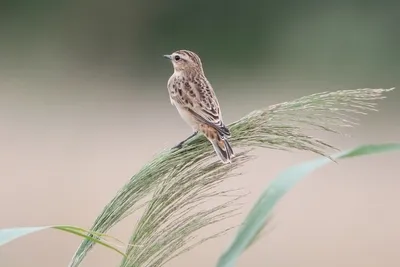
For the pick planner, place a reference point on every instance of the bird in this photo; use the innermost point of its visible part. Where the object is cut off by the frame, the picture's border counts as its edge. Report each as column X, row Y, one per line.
column 194, row 98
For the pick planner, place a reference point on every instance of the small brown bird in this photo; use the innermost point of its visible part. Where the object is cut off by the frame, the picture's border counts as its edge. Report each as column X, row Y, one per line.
column 194, row 98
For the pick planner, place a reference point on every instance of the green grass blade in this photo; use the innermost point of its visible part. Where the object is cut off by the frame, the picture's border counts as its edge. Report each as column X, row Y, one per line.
column 92, row 236
column 255, row 221
column 9, row 234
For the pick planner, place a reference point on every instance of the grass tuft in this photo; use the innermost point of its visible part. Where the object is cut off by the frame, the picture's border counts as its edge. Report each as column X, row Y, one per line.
column 180, row 181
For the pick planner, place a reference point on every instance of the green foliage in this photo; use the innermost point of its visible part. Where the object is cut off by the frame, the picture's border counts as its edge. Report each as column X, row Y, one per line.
column 261, row 211
column 178, row 182
column 10, row 234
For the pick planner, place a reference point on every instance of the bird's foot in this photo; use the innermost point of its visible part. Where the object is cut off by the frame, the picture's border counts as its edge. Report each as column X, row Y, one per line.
column 179, row 146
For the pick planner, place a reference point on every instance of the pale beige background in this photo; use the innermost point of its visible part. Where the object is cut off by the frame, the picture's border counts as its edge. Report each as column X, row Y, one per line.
column 71, row 139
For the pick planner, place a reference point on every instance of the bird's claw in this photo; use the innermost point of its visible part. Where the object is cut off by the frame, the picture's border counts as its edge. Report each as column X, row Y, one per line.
column 178, row 146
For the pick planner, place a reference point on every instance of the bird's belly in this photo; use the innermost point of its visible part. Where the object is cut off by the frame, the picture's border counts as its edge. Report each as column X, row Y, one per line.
column 187, row 117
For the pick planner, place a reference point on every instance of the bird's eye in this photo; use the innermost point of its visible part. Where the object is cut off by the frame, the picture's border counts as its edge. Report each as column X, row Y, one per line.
column 177, row 57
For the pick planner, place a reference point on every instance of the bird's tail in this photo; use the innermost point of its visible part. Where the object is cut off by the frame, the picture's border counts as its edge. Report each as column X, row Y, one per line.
column 223, row 149
column 219, row 141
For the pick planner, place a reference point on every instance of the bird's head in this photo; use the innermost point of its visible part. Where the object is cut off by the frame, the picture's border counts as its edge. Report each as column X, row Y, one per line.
column 184, row 60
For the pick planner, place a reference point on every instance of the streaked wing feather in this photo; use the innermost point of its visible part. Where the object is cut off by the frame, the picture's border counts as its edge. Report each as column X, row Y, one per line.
column 203, row 105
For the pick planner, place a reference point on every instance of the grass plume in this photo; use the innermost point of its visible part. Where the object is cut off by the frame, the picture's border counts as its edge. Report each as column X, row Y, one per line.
column 181, row 180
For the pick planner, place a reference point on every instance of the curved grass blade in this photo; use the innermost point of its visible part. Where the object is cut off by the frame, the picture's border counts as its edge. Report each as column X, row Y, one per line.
column 9, row 234
column 256, row 219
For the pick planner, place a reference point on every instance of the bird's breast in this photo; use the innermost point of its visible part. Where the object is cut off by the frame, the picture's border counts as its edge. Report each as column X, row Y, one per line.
column 187, row 116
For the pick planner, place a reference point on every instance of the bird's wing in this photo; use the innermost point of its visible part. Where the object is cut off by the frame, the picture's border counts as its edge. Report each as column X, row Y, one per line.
column 200, row 100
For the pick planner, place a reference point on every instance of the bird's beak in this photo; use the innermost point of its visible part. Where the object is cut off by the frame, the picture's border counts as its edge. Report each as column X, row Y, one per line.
column 167, row 56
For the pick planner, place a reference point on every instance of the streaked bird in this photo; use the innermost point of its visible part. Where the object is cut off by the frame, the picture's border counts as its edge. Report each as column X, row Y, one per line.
column 194, row 98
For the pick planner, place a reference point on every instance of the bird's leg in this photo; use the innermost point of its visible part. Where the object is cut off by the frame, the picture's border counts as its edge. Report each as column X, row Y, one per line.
column 179, row 146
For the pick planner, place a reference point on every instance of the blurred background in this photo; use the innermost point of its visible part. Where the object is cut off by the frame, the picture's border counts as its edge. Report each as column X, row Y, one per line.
column 84, row 104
